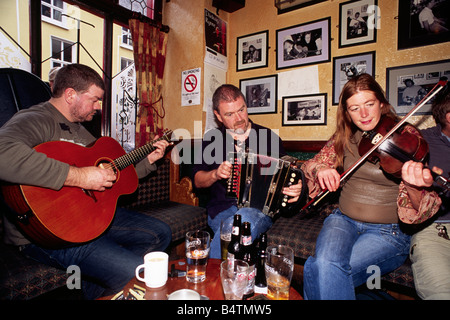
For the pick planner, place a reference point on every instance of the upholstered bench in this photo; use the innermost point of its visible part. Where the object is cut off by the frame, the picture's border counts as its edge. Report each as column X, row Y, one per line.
column 161, row 195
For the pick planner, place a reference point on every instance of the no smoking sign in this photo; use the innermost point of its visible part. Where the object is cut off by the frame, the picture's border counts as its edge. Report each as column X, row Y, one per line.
column 190, row 90
column 190, row 83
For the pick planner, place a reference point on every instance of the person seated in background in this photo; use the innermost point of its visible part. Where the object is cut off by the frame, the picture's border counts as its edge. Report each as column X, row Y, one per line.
column 430, row 247
column 51, row 76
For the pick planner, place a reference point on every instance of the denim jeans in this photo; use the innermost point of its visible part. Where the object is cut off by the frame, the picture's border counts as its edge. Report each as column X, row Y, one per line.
column 108, row 263
column 259, row 223
column 345, row 249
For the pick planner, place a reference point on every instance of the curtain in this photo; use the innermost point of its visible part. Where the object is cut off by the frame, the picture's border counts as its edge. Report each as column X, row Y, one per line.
column 149, row 50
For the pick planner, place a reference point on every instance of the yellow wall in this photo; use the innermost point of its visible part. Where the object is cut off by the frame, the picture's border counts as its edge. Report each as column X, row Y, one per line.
column 186, row 48
column 185, row 51
column 16, row 24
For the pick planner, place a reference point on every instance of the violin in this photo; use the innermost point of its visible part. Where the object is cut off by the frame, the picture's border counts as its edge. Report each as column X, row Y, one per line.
column 398, row 148
column 395, row 150
column 391, row 147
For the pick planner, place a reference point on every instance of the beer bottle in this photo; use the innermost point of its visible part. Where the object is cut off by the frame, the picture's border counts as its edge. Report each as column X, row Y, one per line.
column 248, row 254
column 235, row 244
column 260, row 279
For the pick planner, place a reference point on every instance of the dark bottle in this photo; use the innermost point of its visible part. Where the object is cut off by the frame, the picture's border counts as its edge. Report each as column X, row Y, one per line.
column 234, row 248
column 260, row 279
column 248, row 254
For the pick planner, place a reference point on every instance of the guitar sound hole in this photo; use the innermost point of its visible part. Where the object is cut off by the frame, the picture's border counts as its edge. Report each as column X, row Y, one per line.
column 104, row 164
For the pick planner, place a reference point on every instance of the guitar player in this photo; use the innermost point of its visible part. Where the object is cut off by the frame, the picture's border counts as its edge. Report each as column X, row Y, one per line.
column 109, row 261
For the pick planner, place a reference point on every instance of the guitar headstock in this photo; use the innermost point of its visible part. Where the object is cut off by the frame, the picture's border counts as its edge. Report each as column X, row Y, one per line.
column 169, row 137
column 167, row 134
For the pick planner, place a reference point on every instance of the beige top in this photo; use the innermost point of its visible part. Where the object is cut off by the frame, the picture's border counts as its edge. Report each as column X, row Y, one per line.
column 369, row 195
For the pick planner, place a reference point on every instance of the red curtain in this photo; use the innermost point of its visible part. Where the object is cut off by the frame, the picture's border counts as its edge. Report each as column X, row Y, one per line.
column 149, row 50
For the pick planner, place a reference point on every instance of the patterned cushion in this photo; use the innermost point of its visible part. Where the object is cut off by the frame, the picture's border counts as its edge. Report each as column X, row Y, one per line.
column 296, row 232
column 154, row 188
column 22, row 278
column 403, row 275
column 180, row 217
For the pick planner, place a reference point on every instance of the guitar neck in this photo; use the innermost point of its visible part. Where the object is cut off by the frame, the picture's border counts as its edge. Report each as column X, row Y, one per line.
column 137, row 154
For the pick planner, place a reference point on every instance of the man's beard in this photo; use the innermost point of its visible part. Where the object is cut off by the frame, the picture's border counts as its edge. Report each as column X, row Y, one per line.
column 238, row 129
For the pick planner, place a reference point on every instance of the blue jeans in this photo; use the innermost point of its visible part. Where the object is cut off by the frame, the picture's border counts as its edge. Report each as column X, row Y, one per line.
column 108, row 263
column 345, row 249
column 259, row 223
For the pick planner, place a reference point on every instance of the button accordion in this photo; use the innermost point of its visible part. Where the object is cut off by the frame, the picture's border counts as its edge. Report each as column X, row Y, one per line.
column 257, row 181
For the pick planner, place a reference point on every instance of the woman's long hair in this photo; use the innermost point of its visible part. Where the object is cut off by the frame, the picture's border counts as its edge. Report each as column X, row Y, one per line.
column 345, row 128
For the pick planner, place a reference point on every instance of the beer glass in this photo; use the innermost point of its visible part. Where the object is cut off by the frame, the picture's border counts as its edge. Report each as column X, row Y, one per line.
column 279, row 268
column 225, row 236
column 197, row 252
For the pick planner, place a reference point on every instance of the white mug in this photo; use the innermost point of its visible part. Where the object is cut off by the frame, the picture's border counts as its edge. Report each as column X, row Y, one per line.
column 156, row 269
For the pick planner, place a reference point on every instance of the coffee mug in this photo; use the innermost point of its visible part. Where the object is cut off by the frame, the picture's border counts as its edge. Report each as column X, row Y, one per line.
column 156, row 269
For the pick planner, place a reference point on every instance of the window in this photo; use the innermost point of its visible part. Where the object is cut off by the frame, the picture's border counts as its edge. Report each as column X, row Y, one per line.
column 145, row 7
column 126, row 38
column 63, row 52
column 124, row 62
column 52, row 11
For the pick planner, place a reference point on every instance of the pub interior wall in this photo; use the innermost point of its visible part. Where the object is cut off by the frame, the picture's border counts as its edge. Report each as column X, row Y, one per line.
column 186, row 49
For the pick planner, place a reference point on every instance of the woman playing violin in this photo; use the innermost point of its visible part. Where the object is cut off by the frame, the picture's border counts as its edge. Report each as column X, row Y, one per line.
column 364, row 231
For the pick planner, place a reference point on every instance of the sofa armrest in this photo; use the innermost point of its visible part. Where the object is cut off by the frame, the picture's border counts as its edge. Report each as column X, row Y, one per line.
column 181, row 190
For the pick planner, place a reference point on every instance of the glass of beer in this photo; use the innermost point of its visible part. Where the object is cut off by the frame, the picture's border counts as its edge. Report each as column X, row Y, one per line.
column 197, row 252
column 279, row 268
column 225, row 236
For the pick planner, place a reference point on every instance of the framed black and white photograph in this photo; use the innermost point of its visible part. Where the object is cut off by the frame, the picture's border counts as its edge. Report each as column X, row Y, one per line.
column 310, row 109
column 347, row 67
column 284, row 6
column 260, row 94
column 252, row 51
column 304, row 44
column 423, row 22
column 407, row 85
column 358, row 22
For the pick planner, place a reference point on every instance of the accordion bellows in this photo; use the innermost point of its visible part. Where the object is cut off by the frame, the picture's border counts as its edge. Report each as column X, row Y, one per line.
column 257, row 181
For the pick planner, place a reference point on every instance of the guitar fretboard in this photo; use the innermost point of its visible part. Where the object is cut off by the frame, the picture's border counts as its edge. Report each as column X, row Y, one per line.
column 139, row 153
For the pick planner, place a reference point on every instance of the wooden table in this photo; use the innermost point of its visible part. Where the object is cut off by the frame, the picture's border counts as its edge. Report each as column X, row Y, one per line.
column 211, row 287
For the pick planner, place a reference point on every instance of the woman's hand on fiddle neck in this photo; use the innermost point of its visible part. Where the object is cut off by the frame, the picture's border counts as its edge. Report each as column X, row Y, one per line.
column 415, row 175
column 416, row 178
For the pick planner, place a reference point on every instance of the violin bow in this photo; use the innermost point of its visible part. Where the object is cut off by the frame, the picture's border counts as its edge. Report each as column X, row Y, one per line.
column 379, row 140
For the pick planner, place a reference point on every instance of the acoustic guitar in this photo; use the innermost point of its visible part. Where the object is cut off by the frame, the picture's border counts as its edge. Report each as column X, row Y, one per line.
column 71, row 215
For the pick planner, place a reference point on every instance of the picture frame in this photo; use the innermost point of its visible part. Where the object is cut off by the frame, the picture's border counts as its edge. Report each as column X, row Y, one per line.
column 420, row 79
column 287, row 6
column 410, row 31
column 358, row 22
column 260, row 94
column 305, row 110
column 304, row 44
column 252, row 51
column 346, row 67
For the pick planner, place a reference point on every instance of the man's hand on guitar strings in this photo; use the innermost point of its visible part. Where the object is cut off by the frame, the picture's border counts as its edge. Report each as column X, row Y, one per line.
column 91, row 178
column 159, row 152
